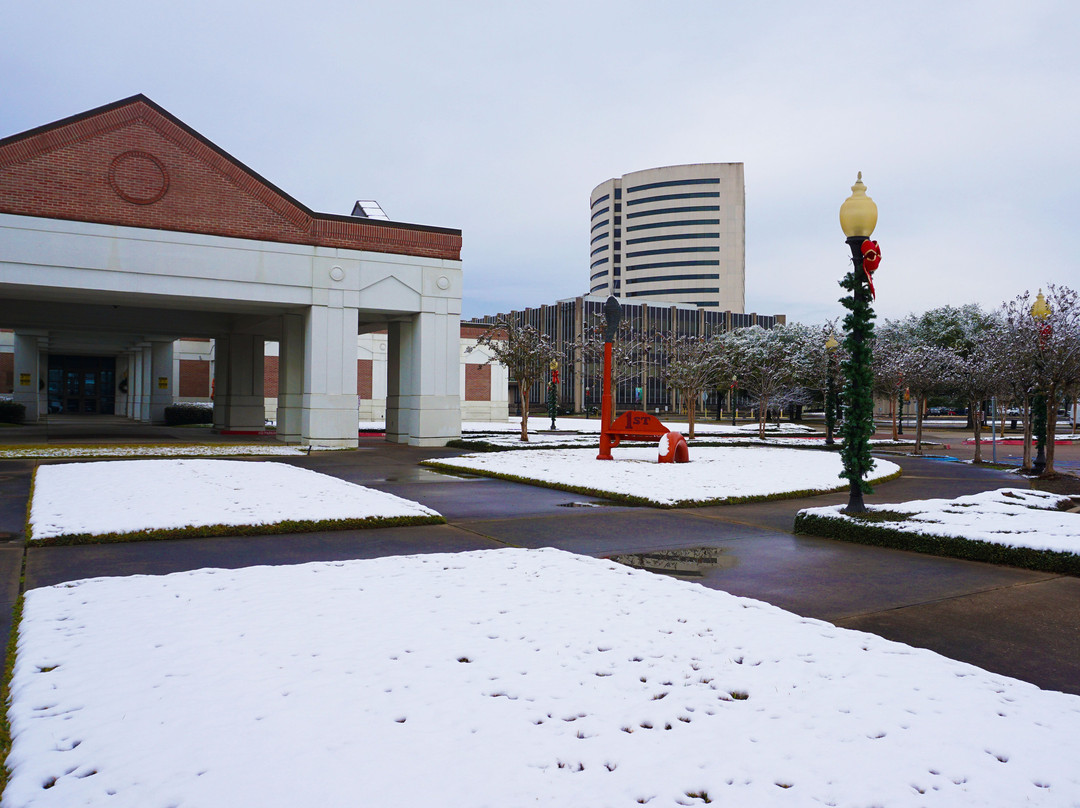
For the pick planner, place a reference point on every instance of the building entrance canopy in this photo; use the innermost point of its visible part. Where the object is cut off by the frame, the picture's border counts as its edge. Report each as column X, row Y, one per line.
column 122, row 230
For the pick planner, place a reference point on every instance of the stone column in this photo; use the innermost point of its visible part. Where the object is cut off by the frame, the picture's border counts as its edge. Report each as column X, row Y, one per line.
column 125, row 374
column 146, row 388
column 28, row 374
column 136, row 383
column 161, row 377
column 220, row 379
column 423, row 402
column 238, row 383
column 329, row 415
column 290, row 378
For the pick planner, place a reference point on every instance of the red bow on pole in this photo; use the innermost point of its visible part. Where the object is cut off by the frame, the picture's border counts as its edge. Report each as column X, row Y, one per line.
column 871, row 257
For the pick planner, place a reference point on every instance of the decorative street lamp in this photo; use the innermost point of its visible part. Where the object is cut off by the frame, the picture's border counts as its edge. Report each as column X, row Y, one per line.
column 830, row 389
column 612, row 316
column 858, row 217
column 553, row 392
column 1040, row 311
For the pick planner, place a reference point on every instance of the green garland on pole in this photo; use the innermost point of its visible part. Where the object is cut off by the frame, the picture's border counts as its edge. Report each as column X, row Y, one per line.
column 552, row 402
column 858, row 395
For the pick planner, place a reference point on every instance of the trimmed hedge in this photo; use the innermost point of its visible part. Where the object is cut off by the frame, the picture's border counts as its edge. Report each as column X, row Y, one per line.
column 879, row 535
column 5, row 690
column 11, row 412
column 212, row 531
column 185, row 414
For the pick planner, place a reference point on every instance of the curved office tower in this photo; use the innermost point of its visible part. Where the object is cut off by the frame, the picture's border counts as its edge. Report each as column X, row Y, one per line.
column 674, row 234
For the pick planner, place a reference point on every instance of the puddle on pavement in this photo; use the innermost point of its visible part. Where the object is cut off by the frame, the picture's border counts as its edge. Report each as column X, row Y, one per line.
column 596, row 503
column 421, row 474
column 690, row 562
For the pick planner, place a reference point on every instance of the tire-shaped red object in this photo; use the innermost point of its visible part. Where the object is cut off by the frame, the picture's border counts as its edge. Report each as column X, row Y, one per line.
column 673, row 449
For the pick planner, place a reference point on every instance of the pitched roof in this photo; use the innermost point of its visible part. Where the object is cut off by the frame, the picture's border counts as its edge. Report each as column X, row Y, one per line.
column 133, row 163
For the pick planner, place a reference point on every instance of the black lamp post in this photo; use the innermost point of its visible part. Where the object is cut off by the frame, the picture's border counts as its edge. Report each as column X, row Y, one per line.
column 734, row 392
column 1039, row 311
column 830, row 389
column 858, row 217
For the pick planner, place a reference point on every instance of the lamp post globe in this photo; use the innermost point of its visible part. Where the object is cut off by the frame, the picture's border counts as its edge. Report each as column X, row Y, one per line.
column 858, row 218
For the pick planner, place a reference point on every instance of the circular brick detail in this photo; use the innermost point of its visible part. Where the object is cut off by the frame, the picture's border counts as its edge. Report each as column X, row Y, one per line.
column 138, row 177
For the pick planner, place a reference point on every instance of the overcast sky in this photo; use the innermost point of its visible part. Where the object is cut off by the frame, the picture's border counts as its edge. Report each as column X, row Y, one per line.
column 500, row 117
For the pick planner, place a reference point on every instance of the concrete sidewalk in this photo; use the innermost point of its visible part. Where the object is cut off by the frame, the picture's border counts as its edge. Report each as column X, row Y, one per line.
column 1014, row 622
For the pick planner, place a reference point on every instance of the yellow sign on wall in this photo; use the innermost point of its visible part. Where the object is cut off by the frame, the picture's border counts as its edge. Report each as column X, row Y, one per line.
column 162, row 382
column 24, row 379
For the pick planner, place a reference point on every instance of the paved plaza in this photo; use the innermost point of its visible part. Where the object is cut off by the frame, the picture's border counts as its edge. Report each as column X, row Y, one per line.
column 1010, row 621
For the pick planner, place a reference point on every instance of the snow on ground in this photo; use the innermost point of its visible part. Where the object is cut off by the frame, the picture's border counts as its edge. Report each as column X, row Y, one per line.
column 126, row 496
column 591, row 426
column 500, row 678
column 1014, row 517
column 713, row 472
column 511, row 440
column 160, row 450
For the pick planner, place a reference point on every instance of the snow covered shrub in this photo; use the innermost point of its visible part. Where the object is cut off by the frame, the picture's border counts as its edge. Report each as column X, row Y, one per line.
column 11, row 412
column 184, row 414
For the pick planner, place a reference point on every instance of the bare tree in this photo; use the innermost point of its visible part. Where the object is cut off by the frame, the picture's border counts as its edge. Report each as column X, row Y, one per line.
column 1051, row 344
column 629, row 351
column 888, row 367
column 692, row 366
column 526, row 353
column 926, row 370
column 770, row 364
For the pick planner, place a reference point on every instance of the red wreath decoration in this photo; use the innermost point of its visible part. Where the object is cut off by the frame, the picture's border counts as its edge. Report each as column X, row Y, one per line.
column 871, row 257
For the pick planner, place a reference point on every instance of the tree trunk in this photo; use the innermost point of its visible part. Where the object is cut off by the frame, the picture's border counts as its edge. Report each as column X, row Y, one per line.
column 1051, row 429
column 763, row 411
column 690, row 402
column 523, row 389
column 1025, row 412
column 892, row 415
column 919, row 402
column 975, row 408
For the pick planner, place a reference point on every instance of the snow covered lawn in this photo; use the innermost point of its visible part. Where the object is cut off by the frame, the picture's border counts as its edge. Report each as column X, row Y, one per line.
column 136, row 499
column 1018, row 519
column 500, row 678
column 714, row 474
column 570, row 439
column 592, row 426
column 156, row 450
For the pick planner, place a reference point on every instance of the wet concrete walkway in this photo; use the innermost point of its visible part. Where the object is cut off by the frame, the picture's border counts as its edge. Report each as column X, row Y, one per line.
column 1014, row 622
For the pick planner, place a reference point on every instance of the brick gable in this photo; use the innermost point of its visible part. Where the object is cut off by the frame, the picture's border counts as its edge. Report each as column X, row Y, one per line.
column 133, row 164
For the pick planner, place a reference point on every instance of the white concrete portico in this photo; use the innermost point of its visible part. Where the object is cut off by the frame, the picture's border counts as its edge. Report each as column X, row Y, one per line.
column 110, row 286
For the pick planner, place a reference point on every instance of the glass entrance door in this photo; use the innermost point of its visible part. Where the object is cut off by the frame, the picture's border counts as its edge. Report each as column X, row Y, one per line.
column 82, row 384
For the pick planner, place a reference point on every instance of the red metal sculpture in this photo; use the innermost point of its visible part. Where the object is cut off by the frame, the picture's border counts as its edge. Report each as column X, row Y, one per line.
column 635, row 424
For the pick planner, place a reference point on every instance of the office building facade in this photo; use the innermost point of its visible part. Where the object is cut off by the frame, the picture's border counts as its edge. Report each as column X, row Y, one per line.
column 674, row 234
column 567, row 323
